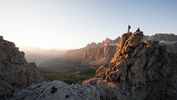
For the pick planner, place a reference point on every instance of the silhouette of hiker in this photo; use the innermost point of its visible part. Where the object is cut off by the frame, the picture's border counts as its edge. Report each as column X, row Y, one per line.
column 129, row 27
column 138, row 30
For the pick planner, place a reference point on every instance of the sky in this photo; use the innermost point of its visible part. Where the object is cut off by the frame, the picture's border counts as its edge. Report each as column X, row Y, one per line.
column 71, row 24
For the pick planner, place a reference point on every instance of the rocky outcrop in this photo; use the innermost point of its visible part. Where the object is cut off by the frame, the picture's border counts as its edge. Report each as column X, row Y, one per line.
column 140, row 70
column 58, row 90
column 15, row 72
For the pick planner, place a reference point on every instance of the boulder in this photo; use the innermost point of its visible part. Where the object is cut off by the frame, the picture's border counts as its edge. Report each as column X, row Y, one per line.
column 58, row 90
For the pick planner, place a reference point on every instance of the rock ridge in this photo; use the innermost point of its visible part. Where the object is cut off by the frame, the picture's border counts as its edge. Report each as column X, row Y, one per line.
column 143, row 70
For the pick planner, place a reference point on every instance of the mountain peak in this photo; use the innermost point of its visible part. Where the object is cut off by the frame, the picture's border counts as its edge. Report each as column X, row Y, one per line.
column 140, row 67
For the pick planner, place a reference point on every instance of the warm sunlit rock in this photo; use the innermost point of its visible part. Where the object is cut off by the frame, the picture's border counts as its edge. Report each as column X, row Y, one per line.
column 140, row 70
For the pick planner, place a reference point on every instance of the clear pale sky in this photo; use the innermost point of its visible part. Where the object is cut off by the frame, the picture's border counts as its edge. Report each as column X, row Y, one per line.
column 68, row 24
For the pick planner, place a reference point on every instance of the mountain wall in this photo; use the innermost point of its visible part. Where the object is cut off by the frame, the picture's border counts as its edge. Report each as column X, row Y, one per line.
column 94, row 54
column 15, row 72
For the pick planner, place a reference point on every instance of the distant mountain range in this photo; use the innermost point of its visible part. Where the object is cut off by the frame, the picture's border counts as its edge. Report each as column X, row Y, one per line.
column 96, row 54
column 93, row 55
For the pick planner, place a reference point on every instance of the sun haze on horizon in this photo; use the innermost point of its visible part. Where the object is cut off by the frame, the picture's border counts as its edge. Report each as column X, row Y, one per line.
column 70, row 24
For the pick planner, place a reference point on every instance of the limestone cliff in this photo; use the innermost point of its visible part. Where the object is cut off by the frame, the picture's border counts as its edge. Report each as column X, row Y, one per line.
column 15, row 72
column 95, row 54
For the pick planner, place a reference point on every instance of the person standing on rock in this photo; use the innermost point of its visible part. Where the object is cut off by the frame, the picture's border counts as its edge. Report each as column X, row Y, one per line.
column 138, row 30
column 129, row 27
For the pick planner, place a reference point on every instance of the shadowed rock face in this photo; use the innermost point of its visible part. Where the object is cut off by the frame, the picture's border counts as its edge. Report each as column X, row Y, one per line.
column 140, row 70
column 15, row 72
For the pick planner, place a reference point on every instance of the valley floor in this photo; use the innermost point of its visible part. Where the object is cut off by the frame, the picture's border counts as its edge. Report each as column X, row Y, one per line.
column 70, row 76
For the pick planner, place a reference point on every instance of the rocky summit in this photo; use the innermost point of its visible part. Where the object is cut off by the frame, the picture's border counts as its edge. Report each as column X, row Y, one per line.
column 15, row 72
column 141, row 69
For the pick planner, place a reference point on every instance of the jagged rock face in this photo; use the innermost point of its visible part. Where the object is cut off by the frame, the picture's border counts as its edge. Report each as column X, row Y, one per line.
column 14, row 70
column 58, row 90
column 94, row 54
column 100, row 55
column 140, row 70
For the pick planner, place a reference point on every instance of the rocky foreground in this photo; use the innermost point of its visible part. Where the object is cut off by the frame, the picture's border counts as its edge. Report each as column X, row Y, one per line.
column 141, row 69
column 15, row 72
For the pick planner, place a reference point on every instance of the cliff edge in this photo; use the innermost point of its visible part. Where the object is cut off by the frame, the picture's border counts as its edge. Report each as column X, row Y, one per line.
column 140, row 70
column 15, row 72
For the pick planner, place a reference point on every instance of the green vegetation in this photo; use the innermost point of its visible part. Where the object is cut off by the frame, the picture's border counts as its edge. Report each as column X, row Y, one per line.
column 70, row 76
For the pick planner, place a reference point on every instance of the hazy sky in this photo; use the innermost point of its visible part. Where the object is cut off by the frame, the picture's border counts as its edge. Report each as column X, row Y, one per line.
column 66, row 24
